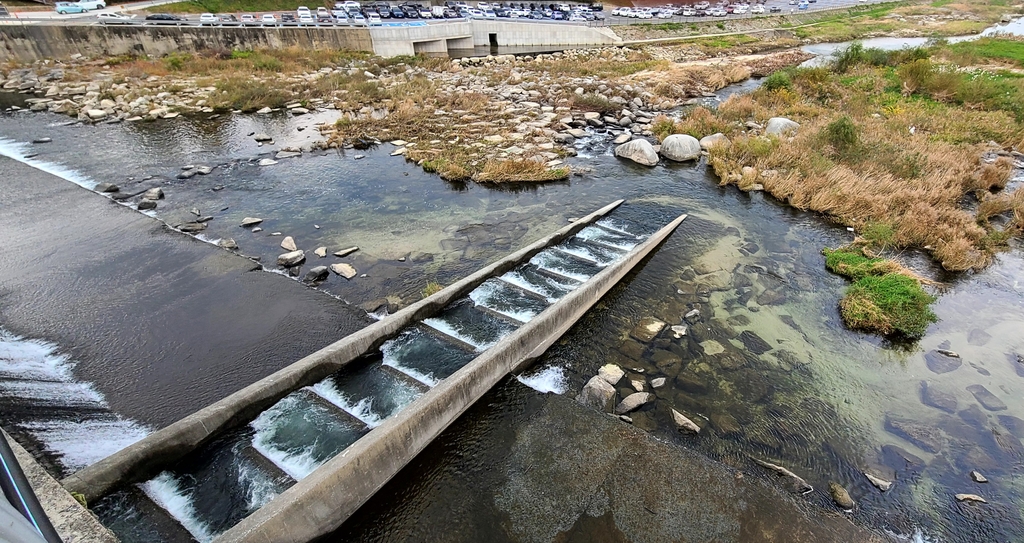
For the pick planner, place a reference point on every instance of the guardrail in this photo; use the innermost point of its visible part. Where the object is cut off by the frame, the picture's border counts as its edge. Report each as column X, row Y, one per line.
column 21, row 498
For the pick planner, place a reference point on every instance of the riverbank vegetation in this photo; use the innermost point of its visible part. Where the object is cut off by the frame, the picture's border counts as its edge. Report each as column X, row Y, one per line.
column 907, row 143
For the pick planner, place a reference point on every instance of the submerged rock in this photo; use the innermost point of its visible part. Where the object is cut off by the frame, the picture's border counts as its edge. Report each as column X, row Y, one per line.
column 288, row 244
column 680, row 148
column 346, row 252
column 640, row 151
column 597, row 393
column 939, row 361
column 192, row 227
column 925, row 437
column 647, row 329
column 290, row 259
column 795, row 481
column 841, row 496
column 754, row 343
column 970, row 498
column 658, row 382
column 986, row 399
column 633, row 402
column 251, row 221
column 611, row 373
column 938, row 399
column 684, row 423
column 977, row 477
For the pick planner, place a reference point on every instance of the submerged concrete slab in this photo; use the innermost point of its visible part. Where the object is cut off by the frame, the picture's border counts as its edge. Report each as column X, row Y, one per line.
column 326, row 498
column 144, row 459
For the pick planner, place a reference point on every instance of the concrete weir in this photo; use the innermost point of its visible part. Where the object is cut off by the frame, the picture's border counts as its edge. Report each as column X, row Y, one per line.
column 323, row 500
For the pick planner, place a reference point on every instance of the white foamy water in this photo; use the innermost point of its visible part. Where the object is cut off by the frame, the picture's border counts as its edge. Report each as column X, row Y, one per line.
column 34, row 374
column 19, row 151
column 517, row 279
column 166, row 491
column 428, row 380
column 296, row 464
column 551, row 263
column 361, row 410
column 259, row 487
column 599, row 258
column 593, row 233
column 484, row 296
column 549, row 379
column 447, row 329
column 615, row 225
column 81, row 443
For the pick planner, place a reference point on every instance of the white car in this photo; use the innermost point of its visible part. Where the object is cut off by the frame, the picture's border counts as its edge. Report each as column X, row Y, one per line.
column 113, row 18
column 740, row 10
column 302, row 10
column 268, row 19
column 476, row 13
column 426, row 13
column 208, row 19
column 306, row 19
column 717, row 12
column 643, row 14
column 664, row 14
column 756, row 10
column 482, row 6
column 576, row 17
column 373, row 19
column 359, row 20
column 701, row 5
column 350, row 5
column 617, row 11
column 248, row 18
column 689, row 12
column 488, row 14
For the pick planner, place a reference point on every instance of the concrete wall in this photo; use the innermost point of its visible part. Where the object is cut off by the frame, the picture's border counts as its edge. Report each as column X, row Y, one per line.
column 524, row 33
column 146, row 458
column 32, row 42
column 320, row 503
column 391, row 41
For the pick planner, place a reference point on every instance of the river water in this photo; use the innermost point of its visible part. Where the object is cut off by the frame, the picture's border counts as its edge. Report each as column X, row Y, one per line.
column 767, row 369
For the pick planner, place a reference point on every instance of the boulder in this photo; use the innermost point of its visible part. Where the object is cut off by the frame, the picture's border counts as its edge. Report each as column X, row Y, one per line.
column 841, row 496
column 977, row 477
column 107, row 187
column 986, row 399
column 42, row 140
column 640, row 151
column 346, row 252
column 227, row 243
column 658, row 382
column 267, row 162
column 344, row 270
column 293, row 258
column 939, row 361
column 970, row 498
column 633, row 402
column 637, row 385
column 647, row 329
column 597, row 393
column 155, row 193
column 684, row 423
column 261, row 137
column 320, row 252
column 96, row 114
column 563, row 138
column 707, row 142
column 145, row 204
column 680, row 148
column 318, row 273
column 938, row 399
column 880, row 484
column 781, row 126
column 251, row 221
column 611, row 373
column 288, row 244
column 192, row 227
column 204, row 170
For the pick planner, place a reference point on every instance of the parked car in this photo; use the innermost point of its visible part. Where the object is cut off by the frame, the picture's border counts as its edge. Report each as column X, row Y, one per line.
column 775, row 9
column 757, row 10
column 803, row 5
column 90, row 5
column 306, row 19
column 688, row 12
column 64, row 8
column 359, row 19
column 113, row 18
column 208, row 19
column 373, row 19
column 248, row 18
column 665, row 14
column 153, row 17
column 268, row 19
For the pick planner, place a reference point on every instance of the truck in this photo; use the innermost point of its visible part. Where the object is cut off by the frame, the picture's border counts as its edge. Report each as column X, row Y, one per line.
column 437, row 12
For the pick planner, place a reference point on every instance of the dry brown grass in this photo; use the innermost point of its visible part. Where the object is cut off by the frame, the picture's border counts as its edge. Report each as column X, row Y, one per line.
column 508, row 171
column 912, row 183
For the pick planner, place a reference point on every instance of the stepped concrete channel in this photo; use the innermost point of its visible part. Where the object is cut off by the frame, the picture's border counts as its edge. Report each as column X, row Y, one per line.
column 440, row 354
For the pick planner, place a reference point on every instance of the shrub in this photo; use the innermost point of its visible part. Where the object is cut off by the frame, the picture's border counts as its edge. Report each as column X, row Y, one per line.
column 433, row 287
column 176, row 61
column 777, row 81
column 594, row 102
column 841, row 134
column 844, row 59
column 914, row 76
column 888, row 304
column 701, row 122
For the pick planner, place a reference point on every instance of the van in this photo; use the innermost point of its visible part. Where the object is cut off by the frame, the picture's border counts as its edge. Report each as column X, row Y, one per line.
column 437, row 12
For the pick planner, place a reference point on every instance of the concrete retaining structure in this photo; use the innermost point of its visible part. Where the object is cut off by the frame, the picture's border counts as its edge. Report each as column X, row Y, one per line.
column 321, row 502
column 33, row 42
column 144, row 459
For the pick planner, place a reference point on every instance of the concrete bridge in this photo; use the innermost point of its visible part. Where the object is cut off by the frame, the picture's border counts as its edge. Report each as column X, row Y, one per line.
column 60, row 40
column 322, row 500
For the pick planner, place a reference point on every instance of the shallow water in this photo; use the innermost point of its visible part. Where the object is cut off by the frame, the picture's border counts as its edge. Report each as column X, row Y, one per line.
column 768, row 369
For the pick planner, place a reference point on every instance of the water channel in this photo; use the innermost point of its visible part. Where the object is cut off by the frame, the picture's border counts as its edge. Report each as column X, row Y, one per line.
column 767, row 369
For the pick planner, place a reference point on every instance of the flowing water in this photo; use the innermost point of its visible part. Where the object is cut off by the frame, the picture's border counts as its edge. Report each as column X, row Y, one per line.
column 766, row 366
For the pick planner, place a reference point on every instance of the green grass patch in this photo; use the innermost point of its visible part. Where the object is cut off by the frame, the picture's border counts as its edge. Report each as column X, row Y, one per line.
column 235, row 6
column 990, row 49
column 881, row 299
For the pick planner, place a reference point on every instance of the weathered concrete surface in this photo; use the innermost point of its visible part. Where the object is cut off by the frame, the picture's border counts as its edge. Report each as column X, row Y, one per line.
column 73, row 522
column 544, row 469
column 32, row 42
column 146, row 458
column 319, row 503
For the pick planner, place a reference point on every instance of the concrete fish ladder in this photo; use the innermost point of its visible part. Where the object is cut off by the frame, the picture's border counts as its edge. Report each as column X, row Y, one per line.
column 321, row 502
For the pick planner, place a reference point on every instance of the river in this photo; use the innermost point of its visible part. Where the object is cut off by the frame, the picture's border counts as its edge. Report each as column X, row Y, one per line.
column 768, row 370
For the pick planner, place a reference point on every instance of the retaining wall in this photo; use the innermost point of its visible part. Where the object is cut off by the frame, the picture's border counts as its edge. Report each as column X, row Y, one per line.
column 321, row 502
column 144, row 459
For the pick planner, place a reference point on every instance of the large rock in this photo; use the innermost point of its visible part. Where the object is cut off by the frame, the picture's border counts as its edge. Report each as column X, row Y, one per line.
column 841, row 496
column 640, row 151
column 781, row 126
column 293, row 258
column 251, row 221
column 925, row 437
column 107, row 187
column 986, row 399
column 344, row 270
column 261, row 137
column 318, row 273
column 633, row 402
column 96, row 114
column 288, row 244
column 754, row 343
column 647, row 329
column 346, row 252
column 611, row 373
column 707, row 142
column 936, row 398
column 684, row 423
column 942, row 361
column 192, row 227
column 680, row 147
column 145, row 204
column 155, row 193
column 597, row 393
